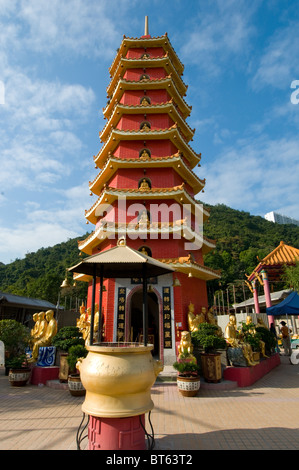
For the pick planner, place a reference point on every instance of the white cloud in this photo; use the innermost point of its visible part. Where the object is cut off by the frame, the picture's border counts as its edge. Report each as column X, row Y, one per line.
column 278, row 65
column 259, row 175
column 220, row 30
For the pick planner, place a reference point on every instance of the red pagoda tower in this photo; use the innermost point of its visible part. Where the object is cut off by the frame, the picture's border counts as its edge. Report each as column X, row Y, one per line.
column 145, row 192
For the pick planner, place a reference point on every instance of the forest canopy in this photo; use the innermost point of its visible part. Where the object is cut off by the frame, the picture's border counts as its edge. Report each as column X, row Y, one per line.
column 241, row 240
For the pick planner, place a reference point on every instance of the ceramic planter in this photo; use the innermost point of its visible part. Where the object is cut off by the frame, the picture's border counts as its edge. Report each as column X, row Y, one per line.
column 19, row 377
column 188, row 386
column 211, row 367
column 75, row 385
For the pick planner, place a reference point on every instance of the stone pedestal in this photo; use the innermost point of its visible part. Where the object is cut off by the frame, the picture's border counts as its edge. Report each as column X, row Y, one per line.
column 246, row 376
column 40, row 375
column 116, row 433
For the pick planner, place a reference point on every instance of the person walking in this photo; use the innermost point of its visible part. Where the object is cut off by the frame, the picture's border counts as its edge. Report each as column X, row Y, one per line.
column 286, row 339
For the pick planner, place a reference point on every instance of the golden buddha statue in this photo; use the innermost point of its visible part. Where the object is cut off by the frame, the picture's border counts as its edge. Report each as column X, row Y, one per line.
column 261, row 324
column 81, row 320
column 144, row 102
column 40, row 328
column 144, row 219
column 46, row 339
column 194, row 320
column 185, row 348
column 86, row 330
column 145, row 154
column 234, row 340
column 144, row 186
column 213, row 321
column 253, row 331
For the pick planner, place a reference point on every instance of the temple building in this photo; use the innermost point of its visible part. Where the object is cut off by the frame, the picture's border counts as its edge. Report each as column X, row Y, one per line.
column 145, row 192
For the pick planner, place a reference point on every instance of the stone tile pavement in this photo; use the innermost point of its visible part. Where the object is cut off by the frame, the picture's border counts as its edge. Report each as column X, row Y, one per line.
column 262, row 416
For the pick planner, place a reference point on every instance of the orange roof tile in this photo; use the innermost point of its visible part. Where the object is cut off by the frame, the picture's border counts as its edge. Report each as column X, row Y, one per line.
column 283, row 254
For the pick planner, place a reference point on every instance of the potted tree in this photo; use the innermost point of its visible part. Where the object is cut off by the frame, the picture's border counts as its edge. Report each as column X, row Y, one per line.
column 15, row 337
column 66, row 337
column 207, row 337
column 75, row 352
column 188, row 379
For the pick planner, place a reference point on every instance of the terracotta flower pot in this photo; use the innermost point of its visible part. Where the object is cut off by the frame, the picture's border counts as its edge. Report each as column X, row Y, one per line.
column 188, row 386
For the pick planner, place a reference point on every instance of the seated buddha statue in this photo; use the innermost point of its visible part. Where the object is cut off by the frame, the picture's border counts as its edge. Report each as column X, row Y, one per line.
column 213, row 321
column 253, row 331
column 46, row 339
column 40, row 329
column 235, row 341
column 193, row 320
column 144, row 186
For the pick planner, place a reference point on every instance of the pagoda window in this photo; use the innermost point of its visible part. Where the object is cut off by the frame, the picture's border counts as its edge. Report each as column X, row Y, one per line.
column 144, row 76
column 145, row 250
column 144, row 184
column 145, row 101
column 145, row 126
column 144, row 153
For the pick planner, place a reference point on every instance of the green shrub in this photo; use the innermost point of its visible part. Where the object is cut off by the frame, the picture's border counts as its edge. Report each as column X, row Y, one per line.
column 207, row 338
column 75, row 352
column 186, row 368
column 15, row 337
column 66, row 337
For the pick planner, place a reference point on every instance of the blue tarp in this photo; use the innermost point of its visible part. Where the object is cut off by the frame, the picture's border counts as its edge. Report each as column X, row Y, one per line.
column 289, row 306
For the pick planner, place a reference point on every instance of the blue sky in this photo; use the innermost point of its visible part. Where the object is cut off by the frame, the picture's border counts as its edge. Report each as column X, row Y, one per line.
column 240, row 60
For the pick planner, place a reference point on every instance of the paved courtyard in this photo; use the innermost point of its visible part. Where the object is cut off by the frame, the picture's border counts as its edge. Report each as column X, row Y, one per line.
column 262, row 416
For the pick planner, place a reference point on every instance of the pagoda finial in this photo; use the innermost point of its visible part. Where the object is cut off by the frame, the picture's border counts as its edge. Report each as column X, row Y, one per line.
column 146, row 26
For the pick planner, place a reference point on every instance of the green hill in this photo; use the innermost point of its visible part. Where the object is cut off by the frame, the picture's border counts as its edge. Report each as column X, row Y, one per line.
column 240, row 237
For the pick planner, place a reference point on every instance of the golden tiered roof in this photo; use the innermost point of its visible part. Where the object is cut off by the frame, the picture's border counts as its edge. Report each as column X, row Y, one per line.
column 164, row 108
column 159, row 41
column 282, row 255
column 101, row 233
column 172, row 133
column 164, row 62
column 109, row 195
column 165, row 83
column 113, row 163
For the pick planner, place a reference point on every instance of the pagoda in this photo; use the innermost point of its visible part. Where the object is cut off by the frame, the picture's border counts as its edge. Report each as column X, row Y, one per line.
column 145, row 189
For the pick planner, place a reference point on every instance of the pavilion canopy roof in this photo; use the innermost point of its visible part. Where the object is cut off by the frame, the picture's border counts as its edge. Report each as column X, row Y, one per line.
column 283, row 254
column 121, row 262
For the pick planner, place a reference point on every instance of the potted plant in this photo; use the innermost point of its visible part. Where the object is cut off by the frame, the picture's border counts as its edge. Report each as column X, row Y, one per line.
column 207, row 337
column 15, row 337
column 66, row 337
column 188, row 380
column 76, row 352
column 19, row 372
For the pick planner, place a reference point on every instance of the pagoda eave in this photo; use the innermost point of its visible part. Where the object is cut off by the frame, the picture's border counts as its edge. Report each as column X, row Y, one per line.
column 116, row 136
column 164, row 62
column 192, row 269
column 141, row 42
column 112, row 230
column 175, row 161
column 168, row 107
column 110, row 195
column 165, row 83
